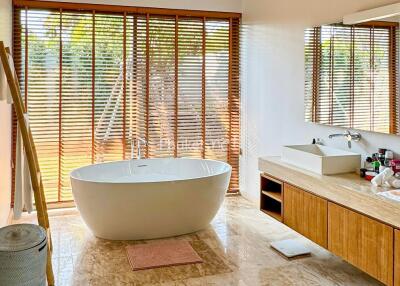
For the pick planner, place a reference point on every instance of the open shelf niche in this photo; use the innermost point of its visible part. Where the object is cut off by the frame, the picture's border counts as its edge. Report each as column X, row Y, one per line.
column 271, row 197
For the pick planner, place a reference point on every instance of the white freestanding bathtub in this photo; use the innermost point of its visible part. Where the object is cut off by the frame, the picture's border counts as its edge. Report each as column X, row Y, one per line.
column 149, row 198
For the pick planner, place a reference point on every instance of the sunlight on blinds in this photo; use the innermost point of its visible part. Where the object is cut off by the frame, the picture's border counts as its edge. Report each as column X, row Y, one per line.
column 97, row 81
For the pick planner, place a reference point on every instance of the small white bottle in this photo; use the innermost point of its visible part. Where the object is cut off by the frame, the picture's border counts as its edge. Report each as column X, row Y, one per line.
column 388, row 157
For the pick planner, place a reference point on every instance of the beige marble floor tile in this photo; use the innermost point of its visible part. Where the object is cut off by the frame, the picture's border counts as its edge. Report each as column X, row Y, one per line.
column 235, row 249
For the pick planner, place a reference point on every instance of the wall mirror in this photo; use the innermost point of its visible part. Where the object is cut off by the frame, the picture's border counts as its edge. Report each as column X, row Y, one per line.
column 351, row 75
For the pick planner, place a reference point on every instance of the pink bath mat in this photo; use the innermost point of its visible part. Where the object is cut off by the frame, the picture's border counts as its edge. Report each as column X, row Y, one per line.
column 161, row 254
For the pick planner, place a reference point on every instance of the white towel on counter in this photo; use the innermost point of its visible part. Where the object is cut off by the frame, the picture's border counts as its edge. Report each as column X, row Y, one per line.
column 383, row 178
column 393, row 195
column 23, row 186
column 5, row 94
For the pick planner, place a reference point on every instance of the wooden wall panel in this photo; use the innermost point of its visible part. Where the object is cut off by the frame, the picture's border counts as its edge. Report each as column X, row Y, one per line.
column 364, row 242
column 306, row 214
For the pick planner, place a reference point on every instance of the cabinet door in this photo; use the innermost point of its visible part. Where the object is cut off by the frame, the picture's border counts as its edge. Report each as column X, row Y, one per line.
column 364, row 242
column 396, row 257
column 306, row 214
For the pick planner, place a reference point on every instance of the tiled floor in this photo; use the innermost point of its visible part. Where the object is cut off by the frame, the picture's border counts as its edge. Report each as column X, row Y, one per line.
column 235, row 249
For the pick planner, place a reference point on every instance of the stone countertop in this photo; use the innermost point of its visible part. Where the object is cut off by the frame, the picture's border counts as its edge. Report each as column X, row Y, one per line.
column 348, row 190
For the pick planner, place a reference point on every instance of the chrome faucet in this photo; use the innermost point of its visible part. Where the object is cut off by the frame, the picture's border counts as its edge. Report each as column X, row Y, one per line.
column 138, row 141
column 349, row 137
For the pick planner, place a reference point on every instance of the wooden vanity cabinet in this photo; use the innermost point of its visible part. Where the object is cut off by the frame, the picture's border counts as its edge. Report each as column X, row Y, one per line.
column 368, row 244
column 306, row 214
column 362, row 241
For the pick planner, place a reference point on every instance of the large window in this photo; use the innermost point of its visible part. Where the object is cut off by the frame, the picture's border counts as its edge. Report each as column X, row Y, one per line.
column 95, row 80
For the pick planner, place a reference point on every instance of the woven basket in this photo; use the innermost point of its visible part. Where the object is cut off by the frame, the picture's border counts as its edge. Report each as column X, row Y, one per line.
column 23, row 260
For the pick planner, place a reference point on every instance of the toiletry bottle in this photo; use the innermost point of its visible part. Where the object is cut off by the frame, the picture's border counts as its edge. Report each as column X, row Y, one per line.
column 388, row 158
column 396, row 166
column 368, row 164
column 376, row 166
column 381, row 155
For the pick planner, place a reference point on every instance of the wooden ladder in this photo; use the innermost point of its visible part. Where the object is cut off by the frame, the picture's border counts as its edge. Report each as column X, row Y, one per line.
column 30, row 150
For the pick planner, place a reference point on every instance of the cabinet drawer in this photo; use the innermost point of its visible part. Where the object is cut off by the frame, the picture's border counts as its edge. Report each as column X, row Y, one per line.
column 306, row 214
column 364, row 242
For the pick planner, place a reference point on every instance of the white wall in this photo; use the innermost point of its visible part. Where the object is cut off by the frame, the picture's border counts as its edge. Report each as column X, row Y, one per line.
column 273, row 80
column 207, row 5
column 5, row 122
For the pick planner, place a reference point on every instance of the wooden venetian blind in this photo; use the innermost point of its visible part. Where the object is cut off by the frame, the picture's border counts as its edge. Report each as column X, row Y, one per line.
column 351, row 76
column 97, row 77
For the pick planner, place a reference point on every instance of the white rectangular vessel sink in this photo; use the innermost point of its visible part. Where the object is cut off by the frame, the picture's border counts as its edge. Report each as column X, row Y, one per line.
column 321, row 159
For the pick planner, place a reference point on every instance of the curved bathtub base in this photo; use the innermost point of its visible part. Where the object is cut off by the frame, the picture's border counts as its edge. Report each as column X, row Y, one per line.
column 136, row 208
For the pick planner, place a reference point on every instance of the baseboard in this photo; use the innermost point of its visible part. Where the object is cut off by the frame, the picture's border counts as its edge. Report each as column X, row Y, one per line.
column 10, row 216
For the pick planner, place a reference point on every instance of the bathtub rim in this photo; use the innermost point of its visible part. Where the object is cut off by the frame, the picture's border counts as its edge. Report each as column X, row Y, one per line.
column 73, row 177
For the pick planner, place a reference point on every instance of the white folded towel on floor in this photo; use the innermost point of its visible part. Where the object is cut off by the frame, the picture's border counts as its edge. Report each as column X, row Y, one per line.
column 23, row 187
